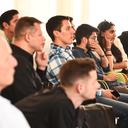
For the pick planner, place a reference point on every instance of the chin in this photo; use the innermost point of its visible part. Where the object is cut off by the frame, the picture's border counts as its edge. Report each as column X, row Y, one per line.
column 93, row 97
column 10, row 81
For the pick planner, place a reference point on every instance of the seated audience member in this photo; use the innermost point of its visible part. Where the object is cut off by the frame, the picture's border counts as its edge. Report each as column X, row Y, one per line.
column 28, row 40
column 61, row 30
column 57, row 108
column 112, row 46
column 87, row 46
column 8, row 21
column 124, row 40
column 10, row 116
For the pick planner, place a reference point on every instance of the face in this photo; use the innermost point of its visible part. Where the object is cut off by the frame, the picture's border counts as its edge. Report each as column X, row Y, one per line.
column 89, row 86
column 92, row 39
column 37, row 40
column 7, row 64
column 13, row 22
column 66, row 35
column 110, row 33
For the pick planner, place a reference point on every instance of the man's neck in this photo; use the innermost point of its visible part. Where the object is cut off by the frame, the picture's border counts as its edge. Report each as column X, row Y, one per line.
column 61, row 44
column 23, row 45
column 84, row 48
column 73, row 96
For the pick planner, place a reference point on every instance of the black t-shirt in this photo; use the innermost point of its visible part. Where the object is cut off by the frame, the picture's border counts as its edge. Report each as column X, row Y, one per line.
column 51, row 109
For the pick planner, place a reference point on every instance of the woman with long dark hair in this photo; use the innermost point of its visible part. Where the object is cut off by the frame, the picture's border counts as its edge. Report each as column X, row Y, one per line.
column 112, row 46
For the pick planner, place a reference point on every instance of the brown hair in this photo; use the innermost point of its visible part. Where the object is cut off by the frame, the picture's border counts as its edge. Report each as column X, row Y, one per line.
column 75, row 69
column 24, row 24
column 55, row 23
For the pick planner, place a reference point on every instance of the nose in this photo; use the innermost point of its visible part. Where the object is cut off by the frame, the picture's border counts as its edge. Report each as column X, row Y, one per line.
column 114, row 34
column 14, row 61
column 43, row 39
column 98, row 85
column 73, row 30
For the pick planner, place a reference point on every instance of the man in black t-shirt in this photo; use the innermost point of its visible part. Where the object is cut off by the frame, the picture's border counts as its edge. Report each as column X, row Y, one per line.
column 58, row 108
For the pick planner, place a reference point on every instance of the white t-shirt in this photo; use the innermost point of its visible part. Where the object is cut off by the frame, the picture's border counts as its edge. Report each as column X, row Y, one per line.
column 10, row 116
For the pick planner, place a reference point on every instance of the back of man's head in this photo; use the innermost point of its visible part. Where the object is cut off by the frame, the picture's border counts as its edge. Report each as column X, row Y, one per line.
column 84, row 30
column 55, row 23
column 7, row 17
column 75, row 69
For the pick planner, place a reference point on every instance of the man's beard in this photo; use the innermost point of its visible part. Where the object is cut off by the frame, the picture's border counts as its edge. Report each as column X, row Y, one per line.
column 88, row 46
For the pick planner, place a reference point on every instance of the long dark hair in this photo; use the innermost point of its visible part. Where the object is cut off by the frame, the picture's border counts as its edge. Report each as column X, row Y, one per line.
column 104, row 26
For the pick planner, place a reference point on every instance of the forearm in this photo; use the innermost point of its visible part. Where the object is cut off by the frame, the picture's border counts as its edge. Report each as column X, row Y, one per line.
column 104, row 61
column 121, row 65
column 110, row 58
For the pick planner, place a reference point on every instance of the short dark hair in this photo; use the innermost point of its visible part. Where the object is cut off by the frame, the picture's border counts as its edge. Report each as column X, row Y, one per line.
column 105, row 25
column 23, row 24
column 7, row 17
column 75, row 69
column 55, row 23
column 84, row 30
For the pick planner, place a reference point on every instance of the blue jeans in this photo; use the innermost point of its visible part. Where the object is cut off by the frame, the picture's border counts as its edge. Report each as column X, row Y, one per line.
column 120, row 108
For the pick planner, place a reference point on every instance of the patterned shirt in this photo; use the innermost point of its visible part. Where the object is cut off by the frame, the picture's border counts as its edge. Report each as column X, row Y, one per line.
column 57, row 57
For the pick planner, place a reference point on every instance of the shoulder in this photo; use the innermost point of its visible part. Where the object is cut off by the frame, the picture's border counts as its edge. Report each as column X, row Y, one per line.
column 11, row 115
column 7, row 107
column 52, row 99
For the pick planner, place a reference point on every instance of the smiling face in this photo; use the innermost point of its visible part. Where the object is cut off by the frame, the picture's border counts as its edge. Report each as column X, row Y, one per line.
column 7, row 64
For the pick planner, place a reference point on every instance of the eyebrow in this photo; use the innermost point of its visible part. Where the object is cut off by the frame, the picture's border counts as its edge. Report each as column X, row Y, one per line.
column 112, row 31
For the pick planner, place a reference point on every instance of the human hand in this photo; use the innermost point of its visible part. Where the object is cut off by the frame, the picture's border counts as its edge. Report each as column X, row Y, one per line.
column 110, row 77
column 125, row 63
column 41, row 60
column 108, row 94
column 108, row 41
column 96, row 47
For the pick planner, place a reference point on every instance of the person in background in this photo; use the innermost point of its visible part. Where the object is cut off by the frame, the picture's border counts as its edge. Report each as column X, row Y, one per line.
column 10, row 116
column 90, row 47
column 58, row 107
column 28, row 40
column 8, row 22
column 124, row 40
column 87, row 46
column 60, row 29
column 112, row 46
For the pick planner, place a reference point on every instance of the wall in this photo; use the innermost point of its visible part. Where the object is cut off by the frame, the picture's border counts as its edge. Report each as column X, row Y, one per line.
column 44, row 9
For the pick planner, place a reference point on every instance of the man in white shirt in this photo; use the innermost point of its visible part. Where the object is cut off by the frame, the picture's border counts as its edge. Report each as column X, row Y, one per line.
column 10, row 116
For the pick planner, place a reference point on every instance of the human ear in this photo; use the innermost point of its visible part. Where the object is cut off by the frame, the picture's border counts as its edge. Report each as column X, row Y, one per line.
column 5, row 25
column 56, row 33
column 84, row 41
column 79, row 88
column 27, row 37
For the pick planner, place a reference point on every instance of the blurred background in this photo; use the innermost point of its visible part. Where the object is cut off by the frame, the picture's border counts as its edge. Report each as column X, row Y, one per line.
column 82, row 11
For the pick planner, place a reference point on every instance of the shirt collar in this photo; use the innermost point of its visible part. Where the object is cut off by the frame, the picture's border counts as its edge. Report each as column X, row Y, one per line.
column 18, row 51
column 58, row 48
